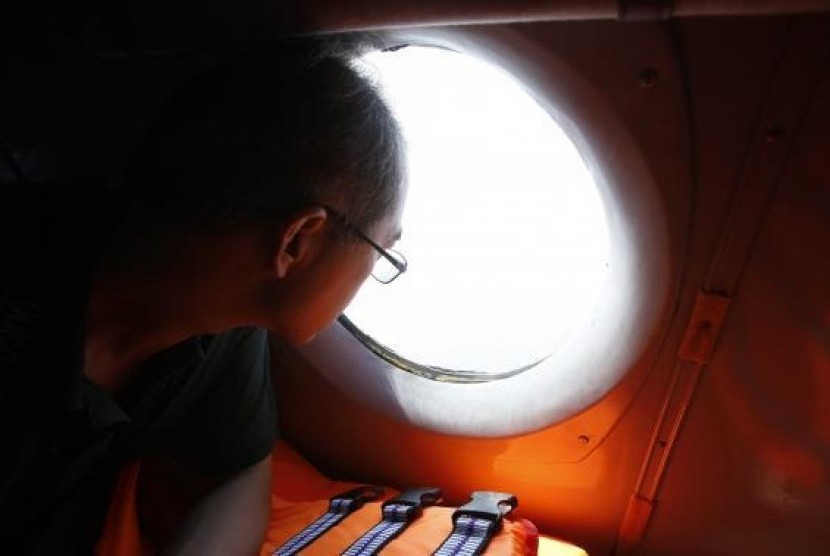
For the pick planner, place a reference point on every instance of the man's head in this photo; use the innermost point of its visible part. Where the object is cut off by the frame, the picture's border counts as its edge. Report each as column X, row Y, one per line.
column 270, row 130
column 262, row 143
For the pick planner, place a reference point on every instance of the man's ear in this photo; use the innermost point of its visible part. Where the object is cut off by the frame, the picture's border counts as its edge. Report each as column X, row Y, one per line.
column 298, row 239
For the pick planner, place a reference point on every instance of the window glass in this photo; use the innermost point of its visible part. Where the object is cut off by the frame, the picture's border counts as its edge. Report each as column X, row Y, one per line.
column 504, row 228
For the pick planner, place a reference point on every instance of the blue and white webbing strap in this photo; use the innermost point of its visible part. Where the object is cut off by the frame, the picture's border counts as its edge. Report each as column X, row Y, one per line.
column 395, row 520
column 469, row 537
column 339, row 507
column 475, row 523
column 396, row 514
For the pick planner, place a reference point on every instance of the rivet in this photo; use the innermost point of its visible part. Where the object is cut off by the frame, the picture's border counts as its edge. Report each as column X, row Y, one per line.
column 584, row 439
column 648, row 78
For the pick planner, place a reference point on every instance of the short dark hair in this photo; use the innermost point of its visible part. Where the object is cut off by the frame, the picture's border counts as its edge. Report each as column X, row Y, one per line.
column 268, row 131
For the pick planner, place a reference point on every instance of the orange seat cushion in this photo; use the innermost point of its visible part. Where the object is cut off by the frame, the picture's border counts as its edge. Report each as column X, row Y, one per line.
column 299, row 496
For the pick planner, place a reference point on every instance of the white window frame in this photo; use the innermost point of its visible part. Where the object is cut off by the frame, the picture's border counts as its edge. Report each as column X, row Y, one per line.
column 625, row 317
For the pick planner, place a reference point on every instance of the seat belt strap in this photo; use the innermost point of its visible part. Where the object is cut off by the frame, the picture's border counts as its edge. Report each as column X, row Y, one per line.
column 476, row 522
column 339, row 507
column 397, row 514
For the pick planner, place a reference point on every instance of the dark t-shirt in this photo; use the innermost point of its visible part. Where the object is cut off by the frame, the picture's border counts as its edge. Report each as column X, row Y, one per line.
column 207, row 401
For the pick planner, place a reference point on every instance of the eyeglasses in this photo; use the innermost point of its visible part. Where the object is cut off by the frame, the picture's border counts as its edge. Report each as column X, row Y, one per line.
column 389, row 265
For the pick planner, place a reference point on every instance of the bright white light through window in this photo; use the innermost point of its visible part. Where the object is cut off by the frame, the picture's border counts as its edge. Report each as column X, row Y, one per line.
column 504, row 229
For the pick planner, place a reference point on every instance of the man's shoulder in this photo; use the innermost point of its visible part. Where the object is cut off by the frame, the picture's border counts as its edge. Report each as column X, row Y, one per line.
column 209, row 359
column 222, row 418
column 232, row 348
column 237, row 334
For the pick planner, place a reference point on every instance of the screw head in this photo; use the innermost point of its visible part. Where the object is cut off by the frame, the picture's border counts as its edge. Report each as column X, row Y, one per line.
column 773, row 134
column 584, row 439
column 648, row 78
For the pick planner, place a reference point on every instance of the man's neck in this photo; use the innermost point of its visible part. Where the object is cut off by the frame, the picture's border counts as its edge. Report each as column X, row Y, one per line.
column 140, row 305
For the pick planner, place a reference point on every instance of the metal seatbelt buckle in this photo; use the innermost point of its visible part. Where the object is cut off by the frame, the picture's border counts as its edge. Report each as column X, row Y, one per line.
column 354, row 499
column 488, row 505
column 415, row 499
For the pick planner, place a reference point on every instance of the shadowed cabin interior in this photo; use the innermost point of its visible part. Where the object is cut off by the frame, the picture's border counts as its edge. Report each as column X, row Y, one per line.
column 688, row 412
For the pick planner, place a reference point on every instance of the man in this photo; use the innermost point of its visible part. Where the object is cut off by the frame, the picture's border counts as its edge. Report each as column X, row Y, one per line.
column 132, row 322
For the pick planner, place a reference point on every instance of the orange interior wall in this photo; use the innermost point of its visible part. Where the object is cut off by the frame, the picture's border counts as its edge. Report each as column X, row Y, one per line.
column 749, row 474
column 349, row 441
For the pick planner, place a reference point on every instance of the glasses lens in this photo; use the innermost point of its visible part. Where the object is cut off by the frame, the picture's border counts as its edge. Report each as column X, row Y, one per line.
column 384, row 271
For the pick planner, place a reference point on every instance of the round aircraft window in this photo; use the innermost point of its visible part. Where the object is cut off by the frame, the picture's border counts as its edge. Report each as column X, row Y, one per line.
column 539, row 262
column 504, row 229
